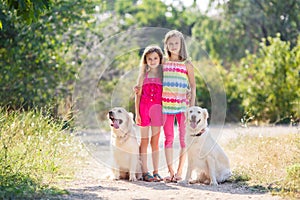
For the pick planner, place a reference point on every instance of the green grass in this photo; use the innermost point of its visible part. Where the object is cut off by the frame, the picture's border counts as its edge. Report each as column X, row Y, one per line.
column 35, row 153
column 267, row 163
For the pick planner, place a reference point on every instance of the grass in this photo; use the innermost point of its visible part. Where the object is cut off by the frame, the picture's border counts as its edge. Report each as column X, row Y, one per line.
column 35, row 153
column 267, row 163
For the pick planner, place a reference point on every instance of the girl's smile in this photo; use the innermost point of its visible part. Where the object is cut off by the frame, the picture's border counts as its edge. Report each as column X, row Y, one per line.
column 174, row 44
column 153, row 60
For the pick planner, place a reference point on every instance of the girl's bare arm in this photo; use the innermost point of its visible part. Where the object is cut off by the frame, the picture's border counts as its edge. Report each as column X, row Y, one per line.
column 192, row 82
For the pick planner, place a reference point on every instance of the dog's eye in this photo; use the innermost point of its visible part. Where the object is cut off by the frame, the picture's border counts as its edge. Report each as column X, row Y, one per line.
column 119, row 111
column 199, row 112
column 191, row 111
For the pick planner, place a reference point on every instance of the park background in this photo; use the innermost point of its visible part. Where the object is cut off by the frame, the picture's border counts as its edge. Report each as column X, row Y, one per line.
column 44, row 46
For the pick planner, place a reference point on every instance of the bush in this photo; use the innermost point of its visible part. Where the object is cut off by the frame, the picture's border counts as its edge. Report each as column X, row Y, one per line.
column 34, row 152
column 293, row 179
column 268, row 81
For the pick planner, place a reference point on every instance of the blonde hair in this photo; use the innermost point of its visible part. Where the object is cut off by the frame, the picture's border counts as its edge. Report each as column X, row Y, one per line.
column 144, row 68
column 183, row 55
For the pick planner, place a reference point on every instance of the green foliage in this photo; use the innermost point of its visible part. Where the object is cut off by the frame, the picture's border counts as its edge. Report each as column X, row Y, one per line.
column 213, row 35
column 155, row 13
column 34, row 152
column 123, row 71
column 269, row 81
column 235, row 110
column 39, row 62
column 213, row 78
column 27, row 10
column 234, row 28
column 293, row 178
column 239, row 177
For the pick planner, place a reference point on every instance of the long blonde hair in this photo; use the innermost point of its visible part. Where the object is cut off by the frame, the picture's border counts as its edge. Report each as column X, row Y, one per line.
column 144, row 68
column 183, row 54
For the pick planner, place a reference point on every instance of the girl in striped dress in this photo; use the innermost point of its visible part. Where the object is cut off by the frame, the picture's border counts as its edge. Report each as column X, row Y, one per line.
column 178, row 79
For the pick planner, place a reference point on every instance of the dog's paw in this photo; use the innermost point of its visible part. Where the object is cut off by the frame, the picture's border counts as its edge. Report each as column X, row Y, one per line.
column 193, row 181
column 213, row 183
column 110, row 177
column 114, row 178
column 133, row 179
column 206, row 182
column 139, row 176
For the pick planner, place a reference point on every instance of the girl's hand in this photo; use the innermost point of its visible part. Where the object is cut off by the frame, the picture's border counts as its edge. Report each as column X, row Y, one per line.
column 137, row 119
column 137, row 89
column 188, row 94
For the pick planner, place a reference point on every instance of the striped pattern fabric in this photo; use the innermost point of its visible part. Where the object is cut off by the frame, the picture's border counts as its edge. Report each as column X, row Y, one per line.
column 175, row 85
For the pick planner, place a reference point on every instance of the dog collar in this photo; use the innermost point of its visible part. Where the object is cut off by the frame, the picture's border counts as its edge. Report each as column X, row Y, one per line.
column 124, row 137
column 199, row 134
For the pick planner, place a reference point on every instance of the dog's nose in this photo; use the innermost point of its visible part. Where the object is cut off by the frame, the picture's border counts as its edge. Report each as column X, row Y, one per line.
column 193, row 117
column 110, row 112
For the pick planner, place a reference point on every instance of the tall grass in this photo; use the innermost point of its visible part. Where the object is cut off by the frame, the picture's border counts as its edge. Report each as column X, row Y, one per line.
column 34, row 152
column 268, row 163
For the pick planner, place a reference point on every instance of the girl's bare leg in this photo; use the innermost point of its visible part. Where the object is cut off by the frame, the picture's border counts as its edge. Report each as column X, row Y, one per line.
column 169, row 159
column 144, row 147
column 182, row 158
column 155, row 147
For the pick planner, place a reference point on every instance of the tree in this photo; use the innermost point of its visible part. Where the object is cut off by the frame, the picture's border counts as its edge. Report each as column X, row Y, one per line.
column 27, row 10
column 268, row 82
column 240, row 25
column 155, row 13
column 38, row 62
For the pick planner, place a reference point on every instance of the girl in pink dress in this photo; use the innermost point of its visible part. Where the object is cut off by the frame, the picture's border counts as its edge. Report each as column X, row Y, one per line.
column 148, row 106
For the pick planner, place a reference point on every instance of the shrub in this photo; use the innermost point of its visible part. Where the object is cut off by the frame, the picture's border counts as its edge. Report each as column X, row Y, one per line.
column 33, row 152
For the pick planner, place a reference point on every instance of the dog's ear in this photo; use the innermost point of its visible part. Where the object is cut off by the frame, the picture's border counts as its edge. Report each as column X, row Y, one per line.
column 205, row 112
column 130, row 115
column 129, row 119
column 186, row 114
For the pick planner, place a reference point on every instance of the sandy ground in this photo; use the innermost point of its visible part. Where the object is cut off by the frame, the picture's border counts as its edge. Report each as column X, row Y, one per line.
column 89, row 185
column 91, row 181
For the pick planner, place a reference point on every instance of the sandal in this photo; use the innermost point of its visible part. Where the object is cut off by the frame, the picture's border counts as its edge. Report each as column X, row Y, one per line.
column 157, row 177
column 148, row 177
column 169, row 179
column 176, row 178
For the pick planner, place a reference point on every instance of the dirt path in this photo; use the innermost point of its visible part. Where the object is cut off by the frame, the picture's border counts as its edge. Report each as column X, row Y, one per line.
column 91, row 184
column 91, row 181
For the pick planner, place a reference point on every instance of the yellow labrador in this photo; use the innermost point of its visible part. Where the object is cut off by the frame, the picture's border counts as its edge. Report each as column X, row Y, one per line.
column 125, row 146
column 204, row 154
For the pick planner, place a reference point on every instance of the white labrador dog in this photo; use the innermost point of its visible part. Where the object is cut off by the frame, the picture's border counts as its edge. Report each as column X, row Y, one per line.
column 204, row 154
column 125, row 147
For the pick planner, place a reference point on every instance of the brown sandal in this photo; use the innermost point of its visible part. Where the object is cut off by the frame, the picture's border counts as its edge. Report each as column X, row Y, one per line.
column 176, row 178
column 169, row 179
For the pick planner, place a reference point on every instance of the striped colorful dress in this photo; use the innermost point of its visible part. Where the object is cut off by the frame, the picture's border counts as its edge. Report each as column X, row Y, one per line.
column 175, row 85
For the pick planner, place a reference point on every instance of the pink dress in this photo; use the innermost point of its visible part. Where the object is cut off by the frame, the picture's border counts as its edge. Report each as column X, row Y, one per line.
column 151, row 102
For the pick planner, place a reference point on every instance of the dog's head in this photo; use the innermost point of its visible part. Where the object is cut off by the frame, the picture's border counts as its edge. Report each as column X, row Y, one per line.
column 120, row 119
column 196, row 117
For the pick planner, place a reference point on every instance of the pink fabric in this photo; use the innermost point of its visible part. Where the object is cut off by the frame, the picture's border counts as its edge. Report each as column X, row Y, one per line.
column 150, row 103
column 169, row 129
column 151, row 114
